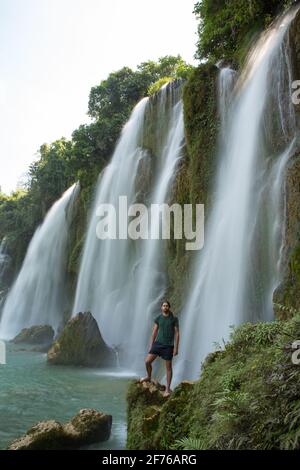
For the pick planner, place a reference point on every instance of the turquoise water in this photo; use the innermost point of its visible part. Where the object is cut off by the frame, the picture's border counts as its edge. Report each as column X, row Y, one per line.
column 31, row 391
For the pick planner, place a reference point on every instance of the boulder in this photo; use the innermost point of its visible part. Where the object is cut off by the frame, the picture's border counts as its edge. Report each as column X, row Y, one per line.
column 43, row 435
column 81, row 344
column 39, row 334
column 87, row 427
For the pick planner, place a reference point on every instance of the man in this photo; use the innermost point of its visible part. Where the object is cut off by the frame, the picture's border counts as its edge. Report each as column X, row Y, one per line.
column 165, row 330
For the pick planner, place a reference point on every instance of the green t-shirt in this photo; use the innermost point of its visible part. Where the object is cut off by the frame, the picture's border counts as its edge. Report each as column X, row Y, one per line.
column 166, row 328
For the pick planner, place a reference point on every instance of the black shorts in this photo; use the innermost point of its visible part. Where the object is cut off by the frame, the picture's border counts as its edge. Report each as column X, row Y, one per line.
column 163, row 350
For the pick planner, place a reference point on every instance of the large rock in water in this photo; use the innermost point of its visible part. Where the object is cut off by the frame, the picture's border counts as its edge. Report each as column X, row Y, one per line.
column 87, row 427
column 39, row 334
column 81, row 344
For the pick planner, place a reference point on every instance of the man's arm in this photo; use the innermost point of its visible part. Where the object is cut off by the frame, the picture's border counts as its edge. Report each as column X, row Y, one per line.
column 153, row 335
column 175, row 350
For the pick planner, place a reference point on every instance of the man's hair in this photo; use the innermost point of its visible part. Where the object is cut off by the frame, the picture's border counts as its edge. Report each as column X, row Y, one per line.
column 165, row 302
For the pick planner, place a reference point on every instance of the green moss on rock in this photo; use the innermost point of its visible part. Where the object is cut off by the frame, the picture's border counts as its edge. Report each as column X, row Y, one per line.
column 288, row 292
column 144, row 402
column 81, row 344
column 38, row 334
column 201, row 130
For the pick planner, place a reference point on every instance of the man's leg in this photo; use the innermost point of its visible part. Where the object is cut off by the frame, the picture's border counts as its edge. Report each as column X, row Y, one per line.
column 169, row 376
column 148, row 363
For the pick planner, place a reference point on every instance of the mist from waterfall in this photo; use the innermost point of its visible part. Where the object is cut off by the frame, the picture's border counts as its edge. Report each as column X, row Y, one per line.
column 238, row 269
column 121, row 281
column 37, row 296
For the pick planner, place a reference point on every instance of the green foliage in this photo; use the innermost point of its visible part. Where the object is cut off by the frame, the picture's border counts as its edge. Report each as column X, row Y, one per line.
column 117, row 94
column 226, row 26
column 254, row 334
column 123, row 89
column 24, row 210
column 290, row 311
column 231, row 380
column 184, row 71
column 188, row 443
column 167, row 66
column 178, row 70
column 17, row 215
column 49, row 176
column 157, row 85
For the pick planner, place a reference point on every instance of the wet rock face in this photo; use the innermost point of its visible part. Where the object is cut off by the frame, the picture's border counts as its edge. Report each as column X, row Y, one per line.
column 294, row 40
column 87, row 427
column 43, row 435
column 146, row 408
column 39, row 334
column 81, row 344
column 90, row 426
column 287, row 292
column 143, row 182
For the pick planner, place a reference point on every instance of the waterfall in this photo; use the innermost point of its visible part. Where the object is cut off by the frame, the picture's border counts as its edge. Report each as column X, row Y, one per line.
column 227, row 78
column 151, row 268
column 37, row 295
column 237, row 271
column 4, row 260
column 105, row 265
column 4, row 265
column 121, row 280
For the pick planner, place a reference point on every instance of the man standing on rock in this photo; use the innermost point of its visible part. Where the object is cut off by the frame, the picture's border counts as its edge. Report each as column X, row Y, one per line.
column 165, row 329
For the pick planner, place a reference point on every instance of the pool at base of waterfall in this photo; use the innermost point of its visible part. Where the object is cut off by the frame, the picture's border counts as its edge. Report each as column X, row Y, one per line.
column 32, row 391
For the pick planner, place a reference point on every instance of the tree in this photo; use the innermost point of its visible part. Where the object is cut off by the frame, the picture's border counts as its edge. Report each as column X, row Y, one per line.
column 48, row 176
column 226, row 26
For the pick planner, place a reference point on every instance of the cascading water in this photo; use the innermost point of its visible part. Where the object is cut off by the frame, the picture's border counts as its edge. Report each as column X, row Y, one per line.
column 37, row 296
column 4, row 260
column 151, row 269
column 105, row 266
column 227, row 78
column 4, row 266
column 120, row 280
column 237, row 270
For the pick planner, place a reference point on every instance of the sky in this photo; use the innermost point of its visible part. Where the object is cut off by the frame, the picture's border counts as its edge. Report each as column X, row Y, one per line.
column 53, row 51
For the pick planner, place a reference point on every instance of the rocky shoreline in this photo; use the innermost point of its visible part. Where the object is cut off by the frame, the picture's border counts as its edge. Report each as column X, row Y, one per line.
column 87, row 427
